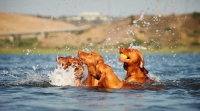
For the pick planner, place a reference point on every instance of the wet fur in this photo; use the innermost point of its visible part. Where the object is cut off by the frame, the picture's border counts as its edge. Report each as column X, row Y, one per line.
column 91, row 60
column 134, row 65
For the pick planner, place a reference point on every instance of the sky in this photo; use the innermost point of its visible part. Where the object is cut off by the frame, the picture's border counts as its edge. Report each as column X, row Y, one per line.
column 123, row 8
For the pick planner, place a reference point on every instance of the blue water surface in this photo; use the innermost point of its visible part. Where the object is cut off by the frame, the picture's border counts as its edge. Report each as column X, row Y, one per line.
column 24, row 85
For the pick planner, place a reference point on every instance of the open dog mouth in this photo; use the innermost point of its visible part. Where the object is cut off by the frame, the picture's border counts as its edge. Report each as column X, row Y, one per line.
column 97, row 77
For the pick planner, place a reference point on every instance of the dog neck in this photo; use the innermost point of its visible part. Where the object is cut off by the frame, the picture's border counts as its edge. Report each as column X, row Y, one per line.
column 135, row 74
column 110, row 80
column 134, row 70
column 90, row 80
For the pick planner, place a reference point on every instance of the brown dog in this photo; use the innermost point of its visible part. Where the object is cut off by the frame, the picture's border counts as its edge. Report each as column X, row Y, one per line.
column 63, row 61
column 134, row 65
column 108, row 79
column 75, row 63
column 91, row 60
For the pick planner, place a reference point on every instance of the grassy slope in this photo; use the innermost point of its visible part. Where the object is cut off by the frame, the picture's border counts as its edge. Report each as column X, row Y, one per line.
column 174, row 33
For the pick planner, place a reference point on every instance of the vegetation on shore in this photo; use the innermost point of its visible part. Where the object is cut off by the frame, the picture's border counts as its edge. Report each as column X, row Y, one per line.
column 107, row 50
column 156, row 33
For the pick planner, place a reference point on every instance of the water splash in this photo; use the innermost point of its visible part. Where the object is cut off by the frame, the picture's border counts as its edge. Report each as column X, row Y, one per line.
column 130, row 32
column 61, row 77
column 35, row 67
column 141, row 16
column 64, row 77
column 145, row 24
column 154, row 77
column 137, row 47
column 24, row 78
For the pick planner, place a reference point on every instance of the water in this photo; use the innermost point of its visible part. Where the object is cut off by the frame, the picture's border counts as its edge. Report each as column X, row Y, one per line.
column 25, row 84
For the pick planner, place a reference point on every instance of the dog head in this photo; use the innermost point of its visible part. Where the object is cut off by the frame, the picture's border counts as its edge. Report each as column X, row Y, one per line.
column 64, row 61
column 132, row 55
column 73, row 62
column 90, row 58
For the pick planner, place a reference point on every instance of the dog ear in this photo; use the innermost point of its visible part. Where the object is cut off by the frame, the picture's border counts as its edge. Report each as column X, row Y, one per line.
column 125, row 65
column 100, row 61
column 103, row 75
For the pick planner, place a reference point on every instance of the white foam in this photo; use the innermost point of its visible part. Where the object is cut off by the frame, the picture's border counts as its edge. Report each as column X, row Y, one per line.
column 61, row 77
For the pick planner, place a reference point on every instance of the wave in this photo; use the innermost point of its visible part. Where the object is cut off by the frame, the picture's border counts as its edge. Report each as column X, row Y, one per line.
column 61, row 78
column 185, row 83
column 28, row 83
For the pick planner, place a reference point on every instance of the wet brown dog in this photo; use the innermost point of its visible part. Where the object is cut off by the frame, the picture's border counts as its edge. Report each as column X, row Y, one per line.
column 108, row 79
column 75, row 63
column 134, row 65
column 91, row 60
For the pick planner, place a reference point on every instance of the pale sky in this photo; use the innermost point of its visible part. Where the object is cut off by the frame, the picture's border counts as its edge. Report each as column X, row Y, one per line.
column 125, row 8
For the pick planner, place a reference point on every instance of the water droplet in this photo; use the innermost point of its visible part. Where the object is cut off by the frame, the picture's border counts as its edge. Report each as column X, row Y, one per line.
column 108, row 39
column 91, row 44
column 28, row 51
column 34, row 68
column 135, row 22
column 174, row 55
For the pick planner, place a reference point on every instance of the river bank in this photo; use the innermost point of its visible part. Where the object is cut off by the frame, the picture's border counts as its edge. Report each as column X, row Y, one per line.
column 194, row 49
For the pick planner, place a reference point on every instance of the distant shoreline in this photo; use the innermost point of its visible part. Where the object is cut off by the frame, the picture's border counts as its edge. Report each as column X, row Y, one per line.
column 64, row 51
